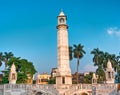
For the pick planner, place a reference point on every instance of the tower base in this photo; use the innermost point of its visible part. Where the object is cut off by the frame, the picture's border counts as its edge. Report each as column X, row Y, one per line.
column 12, row 82
column 63, row 82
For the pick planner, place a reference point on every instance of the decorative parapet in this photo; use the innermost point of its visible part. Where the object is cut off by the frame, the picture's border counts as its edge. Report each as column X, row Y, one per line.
column 25, row 89
column 100, row 88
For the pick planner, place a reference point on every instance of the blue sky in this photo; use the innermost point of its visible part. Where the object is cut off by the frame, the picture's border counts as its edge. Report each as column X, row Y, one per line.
column 28, row 29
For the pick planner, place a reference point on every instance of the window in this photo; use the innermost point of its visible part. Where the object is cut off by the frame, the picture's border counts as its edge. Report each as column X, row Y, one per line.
column 61, row 20
column 63, row 80
column 44, row 80
column 109, row 76
column 13, row 76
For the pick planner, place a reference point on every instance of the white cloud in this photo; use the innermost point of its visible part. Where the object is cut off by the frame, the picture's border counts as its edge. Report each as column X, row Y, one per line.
column 114, row 31
column 110, row 31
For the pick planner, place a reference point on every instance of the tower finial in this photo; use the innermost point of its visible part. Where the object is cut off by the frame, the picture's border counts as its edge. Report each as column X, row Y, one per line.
column 61, row 13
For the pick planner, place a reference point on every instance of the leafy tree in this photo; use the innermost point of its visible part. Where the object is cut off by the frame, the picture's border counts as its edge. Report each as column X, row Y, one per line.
column 21, row 77
column 52, row 81
column 30, row 68
column 88, row 78
column 117, row 77
column 5, row 77
column 78, row 53
column 23, row 68
column 101, row 75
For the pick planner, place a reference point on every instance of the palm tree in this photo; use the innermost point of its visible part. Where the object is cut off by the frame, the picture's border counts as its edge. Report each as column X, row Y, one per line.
column 78, row 54
column 6, row 57
column 98, row 61
column 1, row 58
column 98, row 57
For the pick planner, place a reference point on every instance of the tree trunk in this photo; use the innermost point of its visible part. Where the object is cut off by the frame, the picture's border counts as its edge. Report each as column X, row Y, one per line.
column 5, row 65
column 77, row 70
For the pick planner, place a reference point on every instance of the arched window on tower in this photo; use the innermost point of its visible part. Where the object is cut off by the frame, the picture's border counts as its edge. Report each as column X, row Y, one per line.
column 61, row 20
column 63, row 80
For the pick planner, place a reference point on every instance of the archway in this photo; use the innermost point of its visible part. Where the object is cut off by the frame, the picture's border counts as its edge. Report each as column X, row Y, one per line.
column 43, row 93
column 39, row 93
column 83, row 93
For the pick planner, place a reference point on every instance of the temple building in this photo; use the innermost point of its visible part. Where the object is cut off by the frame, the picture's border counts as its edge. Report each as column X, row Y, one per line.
column 43, row 78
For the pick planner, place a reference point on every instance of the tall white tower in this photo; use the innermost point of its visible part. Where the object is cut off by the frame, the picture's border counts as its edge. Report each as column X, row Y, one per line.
column 63, row 76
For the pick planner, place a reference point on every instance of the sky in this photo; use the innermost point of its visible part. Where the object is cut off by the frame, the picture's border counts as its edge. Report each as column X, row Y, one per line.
column 28, row 29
